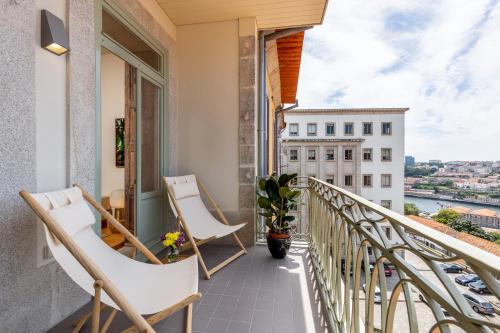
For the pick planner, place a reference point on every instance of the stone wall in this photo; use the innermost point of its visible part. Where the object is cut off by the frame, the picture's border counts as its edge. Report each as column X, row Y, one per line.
column 34, row 299
column 247, row 128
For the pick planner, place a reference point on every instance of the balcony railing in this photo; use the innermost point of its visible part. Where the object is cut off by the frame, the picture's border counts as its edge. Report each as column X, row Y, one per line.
column 348, row 234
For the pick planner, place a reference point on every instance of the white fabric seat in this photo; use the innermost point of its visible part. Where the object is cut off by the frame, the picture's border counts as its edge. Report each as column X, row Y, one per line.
column 149, row 288
column 201, row 223
column 197, row 221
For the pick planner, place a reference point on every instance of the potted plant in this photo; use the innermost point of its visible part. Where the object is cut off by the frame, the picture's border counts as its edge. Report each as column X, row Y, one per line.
column 275, row 198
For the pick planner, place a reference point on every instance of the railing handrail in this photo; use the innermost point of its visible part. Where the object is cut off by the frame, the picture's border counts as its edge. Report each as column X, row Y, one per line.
column 347, row 235
column 456, row 246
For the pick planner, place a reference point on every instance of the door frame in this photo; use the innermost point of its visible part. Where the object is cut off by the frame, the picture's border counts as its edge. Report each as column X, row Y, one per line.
column 160, row 77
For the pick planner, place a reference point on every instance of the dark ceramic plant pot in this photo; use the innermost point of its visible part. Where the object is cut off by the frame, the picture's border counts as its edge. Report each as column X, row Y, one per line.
column 278, row 244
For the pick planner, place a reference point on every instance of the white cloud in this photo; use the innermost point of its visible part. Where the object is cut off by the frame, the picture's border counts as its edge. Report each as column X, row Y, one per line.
column 440, row 58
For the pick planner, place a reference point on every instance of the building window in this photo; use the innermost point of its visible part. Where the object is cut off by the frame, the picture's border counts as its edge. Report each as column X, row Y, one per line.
column 367, row 154
column 348, row 180
column 294, row 129
column 348, row 154
column 386, row 154
column 367, row 128
column 386, row 180
column 388, row 232
column 329, row 179
column 312, row 129
column 386, row 128
column 330, row 154
column 330, row 129
column 386, row 204
column 294, row 155
column 348, row 128
column 367, row 180
column 311, row 155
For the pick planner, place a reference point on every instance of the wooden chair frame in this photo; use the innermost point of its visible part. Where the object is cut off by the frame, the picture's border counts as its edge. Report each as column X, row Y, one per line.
column 195, row 243
column 141, row 324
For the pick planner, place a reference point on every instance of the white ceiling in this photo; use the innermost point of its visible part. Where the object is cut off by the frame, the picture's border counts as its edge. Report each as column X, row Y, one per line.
column 270, row 14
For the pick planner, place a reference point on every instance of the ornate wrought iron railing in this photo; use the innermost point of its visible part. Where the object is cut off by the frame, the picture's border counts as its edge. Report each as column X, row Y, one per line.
column 350, row 248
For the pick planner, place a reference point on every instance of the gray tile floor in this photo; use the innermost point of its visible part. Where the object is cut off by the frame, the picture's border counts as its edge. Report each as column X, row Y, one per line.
column 254, row 294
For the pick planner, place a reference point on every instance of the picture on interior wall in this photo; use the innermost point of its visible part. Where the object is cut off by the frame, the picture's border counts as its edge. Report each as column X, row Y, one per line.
column 120, row 142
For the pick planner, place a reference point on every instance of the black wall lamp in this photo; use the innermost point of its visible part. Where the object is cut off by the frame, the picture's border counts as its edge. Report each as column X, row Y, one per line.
column 54, row 37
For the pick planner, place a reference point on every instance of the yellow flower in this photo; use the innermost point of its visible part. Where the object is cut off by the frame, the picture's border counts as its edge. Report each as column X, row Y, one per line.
column 168, row 242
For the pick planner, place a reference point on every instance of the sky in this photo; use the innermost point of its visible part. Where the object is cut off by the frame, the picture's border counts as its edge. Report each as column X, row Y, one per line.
column 439, row 58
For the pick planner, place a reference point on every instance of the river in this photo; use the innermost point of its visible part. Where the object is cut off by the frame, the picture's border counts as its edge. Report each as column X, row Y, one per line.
column 433, row 205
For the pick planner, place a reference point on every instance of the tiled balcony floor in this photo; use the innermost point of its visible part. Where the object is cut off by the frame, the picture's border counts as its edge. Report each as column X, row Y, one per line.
column 256, row 294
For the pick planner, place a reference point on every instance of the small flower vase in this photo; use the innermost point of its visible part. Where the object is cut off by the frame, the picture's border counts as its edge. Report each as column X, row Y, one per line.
column 172, row 254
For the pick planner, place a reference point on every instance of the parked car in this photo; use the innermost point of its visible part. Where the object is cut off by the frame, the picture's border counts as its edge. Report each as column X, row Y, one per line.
column 466, row 279
column 422, row 298
column 479, row 287
column 387, row 269
column 342, row 267
column 479, row 304
column 377, row 298
column 451, row 268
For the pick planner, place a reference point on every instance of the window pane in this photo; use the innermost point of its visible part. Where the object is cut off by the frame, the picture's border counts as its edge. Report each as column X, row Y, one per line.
column 386, row 128
column 367, row 154
column 348, row 154
column 367, row 180
column 294, row 129
column 311, row 129
column 330, row 154
column 367, row 128
column 150, row 144
column 386, row 180
column 348, row 129
column 330, row 129
column 311, row 154
column 294, row 156
column 386, row 154
column 121, row 34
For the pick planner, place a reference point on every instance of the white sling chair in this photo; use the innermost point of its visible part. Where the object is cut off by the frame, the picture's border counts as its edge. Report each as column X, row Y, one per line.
column 195, row 219
column 134, row 287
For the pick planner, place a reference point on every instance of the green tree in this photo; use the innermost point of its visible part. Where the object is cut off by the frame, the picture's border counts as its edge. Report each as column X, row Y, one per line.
column 447, row 216
column 496, row 236
column 471, row 229
column 411, row 209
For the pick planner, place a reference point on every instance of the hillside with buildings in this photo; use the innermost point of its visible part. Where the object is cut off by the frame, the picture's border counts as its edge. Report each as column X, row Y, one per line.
column 467, row 181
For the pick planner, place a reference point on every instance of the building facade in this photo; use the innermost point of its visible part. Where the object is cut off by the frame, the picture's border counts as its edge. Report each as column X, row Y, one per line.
column 186, row 75
column 361, row 150
column 409, row 160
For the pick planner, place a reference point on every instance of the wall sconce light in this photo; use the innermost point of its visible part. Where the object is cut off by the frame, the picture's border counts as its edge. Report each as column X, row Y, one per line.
column 54, row 37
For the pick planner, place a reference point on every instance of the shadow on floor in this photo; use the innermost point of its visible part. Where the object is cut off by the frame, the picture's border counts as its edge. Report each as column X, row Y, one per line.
column 254, row 294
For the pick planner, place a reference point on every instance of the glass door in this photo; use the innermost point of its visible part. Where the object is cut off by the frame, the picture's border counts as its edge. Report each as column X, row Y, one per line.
column 149, row 202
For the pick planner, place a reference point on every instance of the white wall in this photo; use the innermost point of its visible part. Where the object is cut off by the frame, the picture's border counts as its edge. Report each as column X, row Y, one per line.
column 112, row 107
column 208, row 107
column 51, row 118
column 50, row 109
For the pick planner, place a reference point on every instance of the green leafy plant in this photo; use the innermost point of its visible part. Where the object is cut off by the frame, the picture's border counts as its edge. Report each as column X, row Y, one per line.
column 411, row 209
column 276, row 198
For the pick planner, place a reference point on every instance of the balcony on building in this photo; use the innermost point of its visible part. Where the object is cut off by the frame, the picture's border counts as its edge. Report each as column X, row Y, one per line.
column 202, row 85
